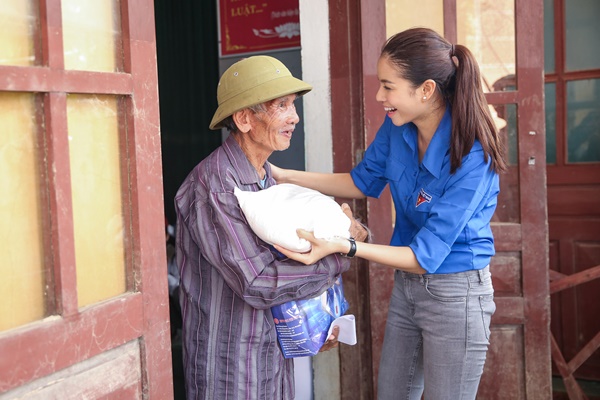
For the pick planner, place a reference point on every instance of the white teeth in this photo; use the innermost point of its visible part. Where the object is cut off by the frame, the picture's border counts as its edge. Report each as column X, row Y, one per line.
column 388, row 109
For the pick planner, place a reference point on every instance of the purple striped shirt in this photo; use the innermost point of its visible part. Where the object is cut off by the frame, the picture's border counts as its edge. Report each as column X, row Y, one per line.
column 229, row 281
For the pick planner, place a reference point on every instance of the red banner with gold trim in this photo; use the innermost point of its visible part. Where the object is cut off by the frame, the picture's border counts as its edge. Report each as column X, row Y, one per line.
column 249, row 26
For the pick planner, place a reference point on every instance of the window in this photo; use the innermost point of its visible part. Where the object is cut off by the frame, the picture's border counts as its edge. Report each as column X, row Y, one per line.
column 572, row 81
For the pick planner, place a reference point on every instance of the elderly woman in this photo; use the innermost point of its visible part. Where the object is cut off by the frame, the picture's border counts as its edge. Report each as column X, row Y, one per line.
column 229, row 277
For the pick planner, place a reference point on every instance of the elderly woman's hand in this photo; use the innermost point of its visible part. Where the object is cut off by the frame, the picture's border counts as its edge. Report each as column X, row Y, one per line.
column 357, row 230
column 332, row 340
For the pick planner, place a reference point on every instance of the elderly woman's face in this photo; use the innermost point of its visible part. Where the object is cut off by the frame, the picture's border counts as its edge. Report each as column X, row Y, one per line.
column 273, row 127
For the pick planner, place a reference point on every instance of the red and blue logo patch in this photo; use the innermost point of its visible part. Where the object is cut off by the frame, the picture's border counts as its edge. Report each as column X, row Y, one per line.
column 423, row 197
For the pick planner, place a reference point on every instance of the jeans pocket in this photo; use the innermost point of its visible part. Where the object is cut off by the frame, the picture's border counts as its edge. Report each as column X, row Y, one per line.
column 447, row 290
column 488, row 307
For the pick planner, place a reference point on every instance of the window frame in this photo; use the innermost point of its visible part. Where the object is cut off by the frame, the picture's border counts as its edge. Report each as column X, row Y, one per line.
column 563, row 172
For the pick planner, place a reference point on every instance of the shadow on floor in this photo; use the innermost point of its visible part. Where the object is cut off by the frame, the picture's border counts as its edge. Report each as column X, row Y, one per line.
column 177, row 361
column 590, row 388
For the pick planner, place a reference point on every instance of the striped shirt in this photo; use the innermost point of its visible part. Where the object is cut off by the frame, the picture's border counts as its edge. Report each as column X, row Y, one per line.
column 229, row 281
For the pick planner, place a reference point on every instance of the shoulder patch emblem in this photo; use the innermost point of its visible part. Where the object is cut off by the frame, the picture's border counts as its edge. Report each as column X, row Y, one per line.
column 423, row 197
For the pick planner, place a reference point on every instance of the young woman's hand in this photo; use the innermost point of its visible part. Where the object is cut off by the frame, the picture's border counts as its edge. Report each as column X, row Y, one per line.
column 320, row 248
column 277, row 173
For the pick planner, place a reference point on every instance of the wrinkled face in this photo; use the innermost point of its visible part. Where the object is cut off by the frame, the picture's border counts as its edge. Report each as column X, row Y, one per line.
column 272, row 128
column 399, row 98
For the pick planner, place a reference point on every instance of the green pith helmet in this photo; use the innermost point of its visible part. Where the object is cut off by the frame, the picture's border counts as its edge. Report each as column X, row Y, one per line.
column 251, row 81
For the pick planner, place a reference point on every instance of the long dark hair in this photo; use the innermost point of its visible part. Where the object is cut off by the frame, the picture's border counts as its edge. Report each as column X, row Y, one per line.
column 421, row 54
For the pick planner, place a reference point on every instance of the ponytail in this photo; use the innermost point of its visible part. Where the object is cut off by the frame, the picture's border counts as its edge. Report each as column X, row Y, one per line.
column 471, row 117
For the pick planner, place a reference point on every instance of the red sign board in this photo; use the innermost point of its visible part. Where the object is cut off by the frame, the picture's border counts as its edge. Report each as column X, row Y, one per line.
column 258, row 26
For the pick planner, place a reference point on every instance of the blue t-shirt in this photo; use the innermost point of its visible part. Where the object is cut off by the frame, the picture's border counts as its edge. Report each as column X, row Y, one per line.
column 443, row 217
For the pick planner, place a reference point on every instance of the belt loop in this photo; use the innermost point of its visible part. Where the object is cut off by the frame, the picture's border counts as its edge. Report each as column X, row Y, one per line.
column 480, row 273
column 421, row 279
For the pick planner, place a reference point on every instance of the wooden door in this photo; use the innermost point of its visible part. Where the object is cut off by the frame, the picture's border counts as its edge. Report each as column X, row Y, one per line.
column 572, row 76
column 506, row 38
column 83, row 291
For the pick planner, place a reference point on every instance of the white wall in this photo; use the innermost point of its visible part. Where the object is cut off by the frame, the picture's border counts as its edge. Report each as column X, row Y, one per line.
column 318, row 376
column 314, row 27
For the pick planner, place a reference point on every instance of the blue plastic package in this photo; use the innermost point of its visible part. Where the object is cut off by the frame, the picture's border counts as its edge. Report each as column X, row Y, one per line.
column 302, row 325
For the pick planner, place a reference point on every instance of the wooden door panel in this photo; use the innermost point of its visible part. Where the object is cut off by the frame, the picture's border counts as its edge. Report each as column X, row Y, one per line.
column 575, row 247
column 504, row 373
column 518, row 364
column 580, row 201
column 573, row 193
column 506, row 274
column 509, row 206
column 64, row 342
column 114, row 374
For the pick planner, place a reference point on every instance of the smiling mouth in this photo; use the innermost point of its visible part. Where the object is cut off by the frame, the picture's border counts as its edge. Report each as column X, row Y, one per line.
column 389, row 109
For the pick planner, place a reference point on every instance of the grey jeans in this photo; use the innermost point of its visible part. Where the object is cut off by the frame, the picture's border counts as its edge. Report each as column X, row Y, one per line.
column 437, row 336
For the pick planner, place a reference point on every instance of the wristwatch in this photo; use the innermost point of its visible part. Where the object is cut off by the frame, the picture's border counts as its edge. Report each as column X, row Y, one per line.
column 352, row 251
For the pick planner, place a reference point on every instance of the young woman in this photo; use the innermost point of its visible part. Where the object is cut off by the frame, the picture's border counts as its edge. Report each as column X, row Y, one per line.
column 439, row 151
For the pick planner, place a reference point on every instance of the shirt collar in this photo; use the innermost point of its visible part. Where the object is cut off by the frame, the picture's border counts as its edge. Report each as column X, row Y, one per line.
column 439, row 145
column 246, row 172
